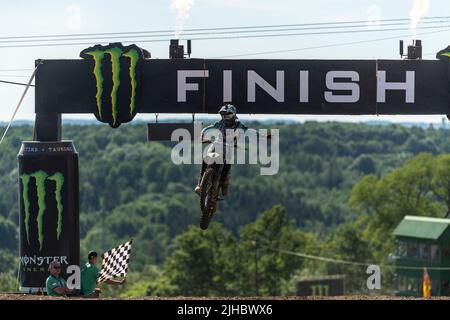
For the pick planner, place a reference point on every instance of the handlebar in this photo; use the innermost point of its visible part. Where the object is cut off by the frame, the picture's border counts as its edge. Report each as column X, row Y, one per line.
column 235, row 146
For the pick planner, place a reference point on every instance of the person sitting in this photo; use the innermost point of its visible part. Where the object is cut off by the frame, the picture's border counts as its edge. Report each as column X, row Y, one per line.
column 55, row 285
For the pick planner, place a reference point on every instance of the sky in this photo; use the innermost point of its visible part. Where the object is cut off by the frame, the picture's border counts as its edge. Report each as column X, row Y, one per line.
column 28, row 18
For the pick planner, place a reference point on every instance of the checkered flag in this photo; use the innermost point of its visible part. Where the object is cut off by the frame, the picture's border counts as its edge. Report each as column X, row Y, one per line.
column 115, row 262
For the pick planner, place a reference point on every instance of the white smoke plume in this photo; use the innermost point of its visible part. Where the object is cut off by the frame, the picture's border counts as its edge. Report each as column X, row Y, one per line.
column 181, row 8
column 419, row 10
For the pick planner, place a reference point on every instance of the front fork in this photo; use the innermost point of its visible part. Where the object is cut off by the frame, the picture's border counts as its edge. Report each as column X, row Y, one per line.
column 216, row 185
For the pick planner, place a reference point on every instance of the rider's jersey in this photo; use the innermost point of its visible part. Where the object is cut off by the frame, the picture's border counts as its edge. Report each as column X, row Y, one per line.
column 222, row 127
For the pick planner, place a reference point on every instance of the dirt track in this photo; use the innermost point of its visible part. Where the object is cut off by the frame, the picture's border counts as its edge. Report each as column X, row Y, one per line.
column 354, row 297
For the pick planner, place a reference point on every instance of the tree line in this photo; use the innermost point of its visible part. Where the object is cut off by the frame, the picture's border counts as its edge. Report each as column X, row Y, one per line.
column 340, row 191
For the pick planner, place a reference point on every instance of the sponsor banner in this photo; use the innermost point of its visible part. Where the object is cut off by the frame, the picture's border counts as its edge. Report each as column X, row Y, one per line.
column 115, row 71
column 255, row 86
column 48, row 209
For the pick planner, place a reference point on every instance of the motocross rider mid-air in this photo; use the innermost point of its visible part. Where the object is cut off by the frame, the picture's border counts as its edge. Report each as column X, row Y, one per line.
column 229, row 121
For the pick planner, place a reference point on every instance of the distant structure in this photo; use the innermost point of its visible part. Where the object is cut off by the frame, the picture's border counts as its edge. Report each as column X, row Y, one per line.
column 422, row 242
column 327, row 285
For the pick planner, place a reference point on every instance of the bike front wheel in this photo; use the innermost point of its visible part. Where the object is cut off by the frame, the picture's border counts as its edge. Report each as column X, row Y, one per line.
column 207, row 198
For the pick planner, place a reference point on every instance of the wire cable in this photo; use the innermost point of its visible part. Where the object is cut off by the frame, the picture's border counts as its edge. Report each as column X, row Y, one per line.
column 339, row 261
column 326, row 46
column 270, row 35
column 20, row 102
column 15, row 70
column 16, row 83
column 306, row 33
column 13, row 76
column 338, row 23
column 210, row 32
column 355, row 263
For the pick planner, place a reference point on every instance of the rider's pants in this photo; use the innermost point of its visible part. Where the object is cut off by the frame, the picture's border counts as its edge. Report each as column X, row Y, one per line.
column 225, row 171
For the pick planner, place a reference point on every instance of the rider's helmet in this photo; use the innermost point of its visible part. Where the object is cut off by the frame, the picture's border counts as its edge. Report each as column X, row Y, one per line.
column 228, row 113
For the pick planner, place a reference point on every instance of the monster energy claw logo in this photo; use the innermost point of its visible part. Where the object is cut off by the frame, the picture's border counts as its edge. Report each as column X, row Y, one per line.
column 125, row 66
column 40, row 178
column 444, row 54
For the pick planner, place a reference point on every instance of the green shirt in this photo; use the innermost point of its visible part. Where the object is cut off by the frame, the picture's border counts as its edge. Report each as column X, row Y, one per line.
column 89, row 275
column 52, row 283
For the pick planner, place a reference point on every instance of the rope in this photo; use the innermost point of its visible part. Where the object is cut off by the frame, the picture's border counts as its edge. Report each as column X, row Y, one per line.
column 355, row 263
column 16, row 83
column 20, row 102
column 339, row 261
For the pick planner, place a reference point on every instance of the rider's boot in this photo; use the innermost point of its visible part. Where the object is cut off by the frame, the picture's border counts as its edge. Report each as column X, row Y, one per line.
column 197, row 187
column 225, row 183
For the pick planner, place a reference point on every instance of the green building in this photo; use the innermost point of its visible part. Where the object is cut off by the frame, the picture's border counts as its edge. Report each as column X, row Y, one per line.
column 422, row 242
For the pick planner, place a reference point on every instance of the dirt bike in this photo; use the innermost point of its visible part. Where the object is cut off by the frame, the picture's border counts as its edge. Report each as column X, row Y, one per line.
column 210, row 185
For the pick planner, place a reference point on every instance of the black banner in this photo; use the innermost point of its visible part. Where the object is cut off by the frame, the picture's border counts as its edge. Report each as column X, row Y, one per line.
column 163, row 131
column 254, row 86
column 321, row 287
column 48, row 212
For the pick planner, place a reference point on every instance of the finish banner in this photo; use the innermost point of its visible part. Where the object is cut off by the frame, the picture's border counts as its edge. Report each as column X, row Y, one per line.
column 115, row 82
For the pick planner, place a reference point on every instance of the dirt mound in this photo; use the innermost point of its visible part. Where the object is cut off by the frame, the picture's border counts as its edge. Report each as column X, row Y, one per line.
column 16, row 296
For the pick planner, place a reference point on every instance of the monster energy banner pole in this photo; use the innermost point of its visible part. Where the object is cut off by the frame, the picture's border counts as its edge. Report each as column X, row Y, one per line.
column 48, row 212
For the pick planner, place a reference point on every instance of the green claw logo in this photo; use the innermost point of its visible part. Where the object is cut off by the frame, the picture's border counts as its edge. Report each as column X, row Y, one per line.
column 124, row 66
column 444, row 54
column 40, row 178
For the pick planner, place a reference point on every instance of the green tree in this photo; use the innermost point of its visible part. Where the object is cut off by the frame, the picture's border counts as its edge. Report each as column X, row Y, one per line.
column 406, row 190
column 265, row 247
column 348, row 243
column 8, row 283
column 203, row 263
column 441, row 180
column 8, row 235
column 365, row 164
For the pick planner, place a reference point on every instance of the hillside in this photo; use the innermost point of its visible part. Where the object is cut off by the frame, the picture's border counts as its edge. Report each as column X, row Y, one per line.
column 129, row 188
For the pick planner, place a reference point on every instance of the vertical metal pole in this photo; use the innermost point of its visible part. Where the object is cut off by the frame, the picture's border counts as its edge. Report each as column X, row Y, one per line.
column 47, row 127
column 256, row 268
